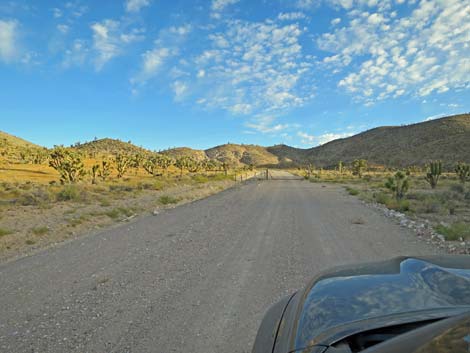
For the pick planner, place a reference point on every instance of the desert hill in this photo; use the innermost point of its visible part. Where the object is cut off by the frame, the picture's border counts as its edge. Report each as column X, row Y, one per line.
column 447, row 139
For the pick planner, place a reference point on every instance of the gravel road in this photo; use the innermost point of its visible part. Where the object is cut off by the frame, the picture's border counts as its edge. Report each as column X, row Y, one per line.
column 196, row 278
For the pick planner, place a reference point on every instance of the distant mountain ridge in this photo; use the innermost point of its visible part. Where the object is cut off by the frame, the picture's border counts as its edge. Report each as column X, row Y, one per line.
column 447, row 139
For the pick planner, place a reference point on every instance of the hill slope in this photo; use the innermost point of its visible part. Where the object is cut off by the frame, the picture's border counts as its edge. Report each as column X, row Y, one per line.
column 447, row 139
column 235, row 155
column 14, row 149
column 109, row 146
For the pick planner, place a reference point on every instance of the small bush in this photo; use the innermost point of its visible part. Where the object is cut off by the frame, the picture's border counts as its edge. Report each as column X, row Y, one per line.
column 40, row 230
column 114, row 213
column 382, row 198
column 166, row 199
column 352, row 191
column 398, row 205
column 69, row 193
column 120, row 188
column 4, row 232
column 201, row 179
column 30, row 242
column 459, row 188
column 454, row 231
column 33, row 198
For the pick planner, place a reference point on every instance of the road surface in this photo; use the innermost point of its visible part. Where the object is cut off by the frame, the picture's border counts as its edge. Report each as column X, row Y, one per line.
column 196, row 278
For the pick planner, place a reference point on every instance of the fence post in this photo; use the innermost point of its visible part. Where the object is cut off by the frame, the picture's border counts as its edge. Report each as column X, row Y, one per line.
column 267, row 174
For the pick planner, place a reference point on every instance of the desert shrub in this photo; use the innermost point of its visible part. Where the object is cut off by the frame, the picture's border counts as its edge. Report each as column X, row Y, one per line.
column 382, row 197
column 459, row 188
column 120, row 188
column 40, row 230
column 114, row 213
column 144, row 186
column 200, row 179
column 33, row 198
column 166, row 199
column 4, row 231
column 467, row 195
column 398, row 205
column 352, row 191
column 431, row 205
column 30, row 242
column 117, row 212
column 454, row 231
column 70, row 193
column 219, row 177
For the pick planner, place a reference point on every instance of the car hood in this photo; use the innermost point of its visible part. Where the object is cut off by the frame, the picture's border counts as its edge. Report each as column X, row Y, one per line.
column 345, row 301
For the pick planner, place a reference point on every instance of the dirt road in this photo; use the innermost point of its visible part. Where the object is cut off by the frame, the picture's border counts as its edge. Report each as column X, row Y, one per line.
column 197, row 278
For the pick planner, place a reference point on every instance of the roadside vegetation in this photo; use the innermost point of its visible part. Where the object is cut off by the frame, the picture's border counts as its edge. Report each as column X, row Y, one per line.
column 431, row 193
column 47, row 196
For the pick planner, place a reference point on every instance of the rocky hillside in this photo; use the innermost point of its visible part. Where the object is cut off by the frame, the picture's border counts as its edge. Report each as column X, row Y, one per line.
column 198, row 155
column 447, row 139
column 235, row 155
column 15, row 149
column 109, row 146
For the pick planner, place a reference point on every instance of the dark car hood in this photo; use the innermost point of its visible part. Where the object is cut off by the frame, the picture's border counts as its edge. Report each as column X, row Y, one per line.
column 402, row 290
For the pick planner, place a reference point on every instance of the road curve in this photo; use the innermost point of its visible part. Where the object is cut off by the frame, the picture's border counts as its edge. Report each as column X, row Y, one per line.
column 196, row 278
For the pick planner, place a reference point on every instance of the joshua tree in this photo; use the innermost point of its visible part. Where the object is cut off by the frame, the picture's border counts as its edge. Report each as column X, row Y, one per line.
column 463, row 171
column 165, row 162
column 434, row 172
column 358, row 167
column 94, row 172
column 137, row 160
column 151, row 165
column 123, row 162
column 184, row 162
column 399, row 184
column 68, row 163
column 309, row 168
column 340, row 167
column 105, row 170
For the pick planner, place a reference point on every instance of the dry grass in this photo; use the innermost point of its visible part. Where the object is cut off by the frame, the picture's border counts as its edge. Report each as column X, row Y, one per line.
column 36, row 211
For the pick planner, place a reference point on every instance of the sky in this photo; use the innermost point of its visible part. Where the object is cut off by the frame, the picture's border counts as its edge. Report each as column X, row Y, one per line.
column 200, row 73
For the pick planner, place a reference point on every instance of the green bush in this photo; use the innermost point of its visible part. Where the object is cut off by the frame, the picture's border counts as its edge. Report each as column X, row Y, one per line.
column 454, row 231
column 200, row 179
column 33, row 198
column 4, row 231
column 40, row 230
column 382, row 197
column 120, row 188
column 352, row 191
column 69, row 193
column 166, row 199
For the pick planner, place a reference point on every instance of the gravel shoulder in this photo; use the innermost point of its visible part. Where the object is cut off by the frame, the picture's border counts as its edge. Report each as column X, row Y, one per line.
column 196, row 278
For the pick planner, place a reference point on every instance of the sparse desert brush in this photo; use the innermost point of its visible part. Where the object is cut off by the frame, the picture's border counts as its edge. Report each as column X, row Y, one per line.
column 201, row 179
column 454, row 231
column 167, row 199
column 71, row 193
column 40, row 230
column 4, row 231
column 352, row 191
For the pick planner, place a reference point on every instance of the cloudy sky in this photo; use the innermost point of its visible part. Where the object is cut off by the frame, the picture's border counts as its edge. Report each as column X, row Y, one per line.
column 205, row 72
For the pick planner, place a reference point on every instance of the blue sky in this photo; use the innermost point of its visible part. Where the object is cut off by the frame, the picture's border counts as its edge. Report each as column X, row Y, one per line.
column 205, row 72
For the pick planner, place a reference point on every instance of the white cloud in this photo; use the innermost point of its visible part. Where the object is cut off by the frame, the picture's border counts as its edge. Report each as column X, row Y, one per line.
column 390, row 56
column 109, row 40
column 8, row 40
column 291, row 16
column 306, row 139
column 220, row 5
column 56, row 12
column 76, row 55
column 325, row 138
column 266, row 125
column 136, row 5
column 166, row 46
column 63, row 28
column 255, row 68
column 179, row 89
column 335, row 21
